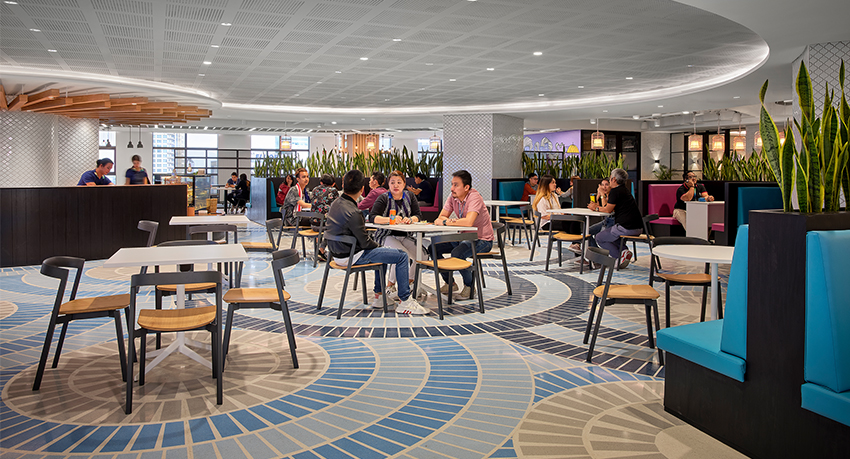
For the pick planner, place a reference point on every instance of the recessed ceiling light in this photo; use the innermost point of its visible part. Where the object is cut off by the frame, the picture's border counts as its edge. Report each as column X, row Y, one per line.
column 538, row 53
column 686, row 112
column 737, row 97
column 429, row 63
column 296, row 95
column 362, row 119
column 52, row 51
column 214, row 46
column 338, row 71
column 541, row 95
column 364, row 58
column 452, row 79
column 35, row 30
column 385, row 100
column 207, row 62
column 690, row 65
column 396, row 39
column 629, row 78
column 11, row 3
column 333, row 122
column 318, row 82
column 226, row 24
column 636, row 117
column 581, row 87
column 202, row 74
column 604, row 111
column 490, row 69
column 660, row 106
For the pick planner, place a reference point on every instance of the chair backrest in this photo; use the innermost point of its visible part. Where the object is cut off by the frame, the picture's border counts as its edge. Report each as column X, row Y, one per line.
column 527, row 213
column 757, row 198
column 283, row 259
column 312, row 216
column 647, row 228
column 567, row 218
column 150, row 227
column 661, row 197
column 273, row 225
column 734, row 337
column 499, row 229
column 345, row 239
column 454, row 237
column 600, row 256
column 827, row 349
column 222, row 228
column 57, row 268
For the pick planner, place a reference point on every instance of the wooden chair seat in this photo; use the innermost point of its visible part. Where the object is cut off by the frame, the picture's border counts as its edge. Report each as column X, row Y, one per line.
column 96, row 304
column 516, row 220
column 254, row 295
column 639, row 237
column 562, row 236
column 696, row 278
column 447, row 264
column 257, row 245
column 189, row 287
column 492, row 254
column 308, row 233
column 628, row 292
column 334, row 265
column 169, row 320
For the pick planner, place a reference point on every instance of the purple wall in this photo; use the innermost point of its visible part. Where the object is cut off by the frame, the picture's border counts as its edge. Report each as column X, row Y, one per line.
column 552, row 141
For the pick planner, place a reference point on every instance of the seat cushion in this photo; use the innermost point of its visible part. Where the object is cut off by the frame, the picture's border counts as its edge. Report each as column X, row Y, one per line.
column 820, row 400
column 447, row 264
column 308, row 233
column 661, row 197
column 254, row 295
column 719, row 227
column 257, row 245
column 667, row 221
column 166, row 320
column 335, row 265
column 700, row 343
column 696, row 278
column 628, row 292
column 734, row 339
column 95, row 304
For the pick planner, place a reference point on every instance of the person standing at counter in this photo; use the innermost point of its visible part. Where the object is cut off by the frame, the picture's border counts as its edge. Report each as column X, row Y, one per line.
column 98, row 175
column 136, row 175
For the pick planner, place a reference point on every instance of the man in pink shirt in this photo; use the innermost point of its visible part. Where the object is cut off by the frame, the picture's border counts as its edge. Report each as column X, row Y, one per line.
column 376, row 188
column 468, row 206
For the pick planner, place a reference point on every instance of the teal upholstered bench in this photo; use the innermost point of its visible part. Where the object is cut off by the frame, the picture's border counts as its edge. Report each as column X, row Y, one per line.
column 272, row 198
column 719, row 345
column 511, row 191
column 757, row 198
column 827, row 349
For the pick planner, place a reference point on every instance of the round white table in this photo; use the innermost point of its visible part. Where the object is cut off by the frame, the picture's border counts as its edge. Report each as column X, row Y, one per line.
column 714, row 255
column 495, row 204
column 581, row 211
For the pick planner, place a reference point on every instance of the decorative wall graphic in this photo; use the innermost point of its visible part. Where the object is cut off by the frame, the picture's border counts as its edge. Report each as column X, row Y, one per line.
column 551, row 141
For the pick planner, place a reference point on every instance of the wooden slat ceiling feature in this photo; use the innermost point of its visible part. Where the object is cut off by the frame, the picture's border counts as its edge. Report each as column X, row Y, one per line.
column 104, row 108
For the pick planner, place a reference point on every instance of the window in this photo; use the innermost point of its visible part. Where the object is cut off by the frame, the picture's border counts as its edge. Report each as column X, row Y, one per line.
column 386, row 143
column 265, row 142
column 423, row 144
column 301, row 143
column 163, row 151
column 107, row 136
column 109, row 152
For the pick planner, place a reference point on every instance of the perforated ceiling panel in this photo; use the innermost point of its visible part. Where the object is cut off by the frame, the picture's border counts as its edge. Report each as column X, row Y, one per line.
column 308, row 52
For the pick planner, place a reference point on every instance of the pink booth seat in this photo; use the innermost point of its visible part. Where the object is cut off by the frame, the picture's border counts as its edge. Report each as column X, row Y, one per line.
column 437, row 205
column 660, row 200
column 718, row 227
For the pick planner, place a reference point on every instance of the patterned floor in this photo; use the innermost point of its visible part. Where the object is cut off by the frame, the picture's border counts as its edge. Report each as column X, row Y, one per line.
column 512, row 382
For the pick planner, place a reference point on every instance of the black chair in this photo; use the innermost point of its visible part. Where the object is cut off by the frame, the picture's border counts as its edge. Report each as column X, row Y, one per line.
column 210, row 231
column 646, row 237
column 150, row 227
column 680, row 279
column 606, row 294
column 524, row 222
column 77, row 309
column 452, row 264
column 274, row 298
column 175, row 320
column 379, row 269
column 309, row 233
column 561, row 236
column 500, row 230
column 272, row 226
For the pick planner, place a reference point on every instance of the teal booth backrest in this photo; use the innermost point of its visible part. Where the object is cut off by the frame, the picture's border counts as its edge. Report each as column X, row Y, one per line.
column 827, row 358
column 734, row 338
column 757, row 198
column 511, row 191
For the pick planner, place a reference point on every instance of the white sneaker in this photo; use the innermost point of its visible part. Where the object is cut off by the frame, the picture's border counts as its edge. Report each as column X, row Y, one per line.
column 392, row 294
column 411, row 306
column 378, row 303
column 625, row 258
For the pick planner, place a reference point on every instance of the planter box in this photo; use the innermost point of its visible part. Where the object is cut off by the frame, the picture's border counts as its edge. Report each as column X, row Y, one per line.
column 763, row 417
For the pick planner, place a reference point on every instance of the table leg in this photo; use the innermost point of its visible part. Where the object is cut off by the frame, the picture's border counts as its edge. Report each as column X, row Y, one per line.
column 715, row 292
column 584, row 244
column 495, row 209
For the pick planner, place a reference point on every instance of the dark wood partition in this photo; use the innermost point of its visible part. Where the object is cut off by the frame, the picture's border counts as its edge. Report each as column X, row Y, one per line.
column 86, row 222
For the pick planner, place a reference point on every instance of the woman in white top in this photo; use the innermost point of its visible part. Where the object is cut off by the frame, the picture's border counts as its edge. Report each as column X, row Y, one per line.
column 546, row 200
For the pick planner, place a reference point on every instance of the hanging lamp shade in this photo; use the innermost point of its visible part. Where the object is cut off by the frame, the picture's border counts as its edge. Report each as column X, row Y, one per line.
column 718, row 142
column 782, row 138
column 285, row 142
column 573, row 149
column 434, row 143
column 370, row 142
column 694, row 142
column 597, row 141
column 139, row 145
column 739, row 143
column 757, row 144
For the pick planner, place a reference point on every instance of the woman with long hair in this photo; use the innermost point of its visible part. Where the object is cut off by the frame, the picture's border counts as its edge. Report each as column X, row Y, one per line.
column 284, row 188
column 546, row 200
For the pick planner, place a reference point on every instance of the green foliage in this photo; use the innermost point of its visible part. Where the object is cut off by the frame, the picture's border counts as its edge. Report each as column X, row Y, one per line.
column 337, row 163
column 589, row 165
column 663, row 173
column 755, row 168
column 821, row 169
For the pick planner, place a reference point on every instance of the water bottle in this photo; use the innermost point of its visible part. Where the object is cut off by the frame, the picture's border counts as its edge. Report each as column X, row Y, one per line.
column 392, row 216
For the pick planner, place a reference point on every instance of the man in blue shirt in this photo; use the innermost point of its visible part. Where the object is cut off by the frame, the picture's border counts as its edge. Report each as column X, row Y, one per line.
column 98, row 175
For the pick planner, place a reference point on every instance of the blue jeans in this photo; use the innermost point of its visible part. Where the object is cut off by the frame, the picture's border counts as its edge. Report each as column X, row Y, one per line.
column 390, row 257
column 609, row 239
column 597, row 227
column 462, row 250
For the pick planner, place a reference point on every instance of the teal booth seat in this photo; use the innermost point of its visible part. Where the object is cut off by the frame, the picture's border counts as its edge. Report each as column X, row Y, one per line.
column 719, row 345
column 757, row 198
column 827, row 346
column 511, row 191
column 272, row 201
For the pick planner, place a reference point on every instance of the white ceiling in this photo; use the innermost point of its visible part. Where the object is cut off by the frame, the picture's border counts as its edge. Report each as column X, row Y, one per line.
column 282, row 56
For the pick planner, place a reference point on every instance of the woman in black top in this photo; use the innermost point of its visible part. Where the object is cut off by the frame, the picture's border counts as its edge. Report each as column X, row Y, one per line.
column 137, row 175
column 407, row 211
column 627, row 218
column 242, row 193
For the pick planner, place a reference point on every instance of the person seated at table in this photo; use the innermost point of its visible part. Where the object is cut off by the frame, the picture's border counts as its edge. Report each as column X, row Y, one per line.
column 627, row 218
column 136, row 175
column 242, row 194
column 321, row 198
column 688, row 191
column 231, row 183
column 407, row 211
column 468, row 207
column 97, row 176
column 423, row 190
column 345, row 219
column 297, row 199
column 546, row 200
column 602, row 191
column 530, row 187
column 568, row 195
column 283, row 189
column 376, row 188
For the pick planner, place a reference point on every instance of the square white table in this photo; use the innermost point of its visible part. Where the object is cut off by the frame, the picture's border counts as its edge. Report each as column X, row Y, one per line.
column 160, row 256
column 701, row 215
column 587, row 213
column 714, row 255
column 208, row 220
column 495, row 204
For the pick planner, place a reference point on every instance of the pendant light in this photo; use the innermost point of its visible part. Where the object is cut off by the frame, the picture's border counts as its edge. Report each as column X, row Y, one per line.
column 139, row 145
column 130, row 143
column 718, row 141
column 694, row 140
column 285, row 140
column 434, row 143
column 739, row 142
column 597, row 139
column 370, row 143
